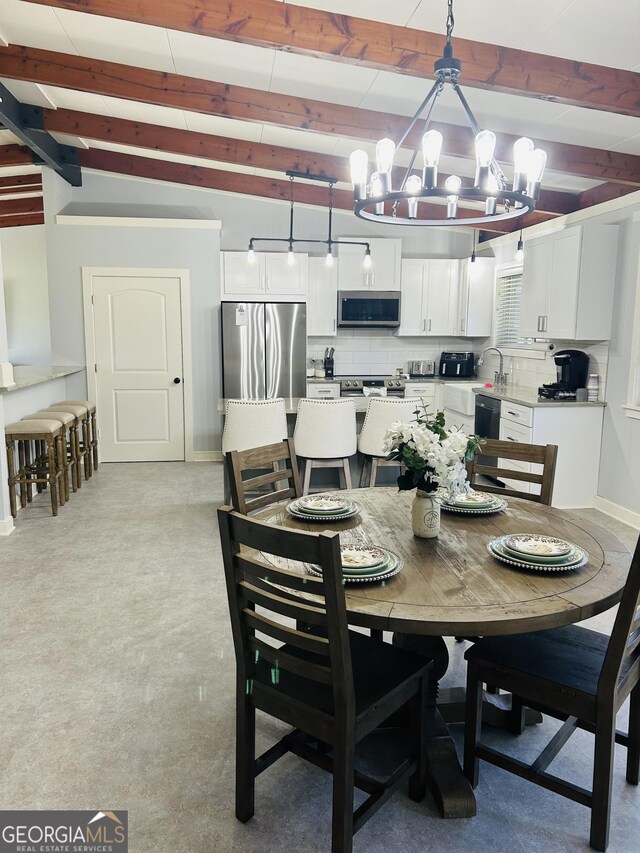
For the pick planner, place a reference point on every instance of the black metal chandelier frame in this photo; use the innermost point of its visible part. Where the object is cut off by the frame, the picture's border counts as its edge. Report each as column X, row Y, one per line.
column 291, row 240
column 515, row 203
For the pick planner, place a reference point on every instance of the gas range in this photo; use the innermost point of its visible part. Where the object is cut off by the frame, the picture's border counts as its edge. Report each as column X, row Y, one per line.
column 371, row 386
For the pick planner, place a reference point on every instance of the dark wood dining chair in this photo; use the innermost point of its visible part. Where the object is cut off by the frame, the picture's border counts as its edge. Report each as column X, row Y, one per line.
column 333, row 686
column 537, row 454
column 576, row 675
column 283, row 483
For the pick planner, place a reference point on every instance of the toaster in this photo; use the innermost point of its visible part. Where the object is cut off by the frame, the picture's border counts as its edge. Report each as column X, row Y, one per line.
column 422, row 368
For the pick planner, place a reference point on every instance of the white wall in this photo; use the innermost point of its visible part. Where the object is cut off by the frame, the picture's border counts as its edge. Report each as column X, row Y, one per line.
column 25, row 294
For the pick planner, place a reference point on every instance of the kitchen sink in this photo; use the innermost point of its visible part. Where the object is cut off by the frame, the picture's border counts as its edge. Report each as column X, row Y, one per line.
column 459, row 397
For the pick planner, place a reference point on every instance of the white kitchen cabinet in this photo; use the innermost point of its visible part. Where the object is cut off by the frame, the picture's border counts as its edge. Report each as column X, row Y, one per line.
column 384, row 273
column 429, row 291
column 568, row 282
column 428, row 392
column 322, row 297
column 577, row 432
column 268, row 277
column 476, row 289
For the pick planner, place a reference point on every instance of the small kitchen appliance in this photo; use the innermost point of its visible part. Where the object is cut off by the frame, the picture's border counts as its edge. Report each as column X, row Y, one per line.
column 572, row 366
column 421, row 368
column 457, row 365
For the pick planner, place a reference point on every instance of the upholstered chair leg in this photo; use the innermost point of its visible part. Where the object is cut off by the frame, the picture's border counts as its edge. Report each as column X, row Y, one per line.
column 12, row 483
column 472, row 724
column 51, row 457
column 363, row 472
column 347, row 473
column 245, row 755
column 633, row 748
column 308, row 465
column 602, row 779
column 343, row 779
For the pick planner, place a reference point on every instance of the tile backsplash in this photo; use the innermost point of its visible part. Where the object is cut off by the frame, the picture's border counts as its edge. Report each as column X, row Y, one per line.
column 372, row 352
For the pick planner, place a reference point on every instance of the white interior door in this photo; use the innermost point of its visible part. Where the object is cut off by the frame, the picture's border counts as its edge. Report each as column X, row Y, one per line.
column 138, row 354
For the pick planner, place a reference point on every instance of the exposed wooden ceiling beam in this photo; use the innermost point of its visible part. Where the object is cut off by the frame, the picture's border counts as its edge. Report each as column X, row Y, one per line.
column 15, row 155
column 28, row 181
column 224, row 149
column 227, row 181
column 603, row 192
column 237, row 102
column 313, row 32
column 20, row 205
column 22, row 219
column 28, row 190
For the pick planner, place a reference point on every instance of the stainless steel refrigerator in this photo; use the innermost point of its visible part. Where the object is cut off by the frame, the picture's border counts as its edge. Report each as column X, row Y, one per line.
column 264, row 349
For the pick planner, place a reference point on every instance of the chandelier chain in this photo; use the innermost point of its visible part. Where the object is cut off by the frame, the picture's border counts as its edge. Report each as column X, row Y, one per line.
column 450, row 20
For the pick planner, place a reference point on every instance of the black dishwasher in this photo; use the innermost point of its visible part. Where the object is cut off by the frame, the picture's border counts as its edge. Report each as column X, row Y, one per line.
column 487, row 423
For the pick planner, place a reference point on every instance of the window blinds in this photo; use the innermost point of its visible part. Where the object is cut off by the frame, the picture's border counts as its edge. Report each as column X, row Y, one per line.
column 508, row 304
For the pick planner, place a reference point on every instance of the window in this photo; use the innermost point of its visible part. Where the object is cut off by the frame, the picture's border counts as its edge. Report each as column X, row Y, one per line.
column 508, row 304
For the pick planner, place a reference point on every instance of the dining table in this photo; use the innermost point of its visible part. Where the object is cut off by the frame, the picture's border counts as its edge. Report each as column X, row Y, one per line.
column 452, row 585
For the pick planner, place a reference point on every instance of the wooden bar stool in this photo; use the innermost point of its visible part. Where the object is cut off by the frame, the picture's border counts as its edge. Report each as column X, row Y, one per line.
column 68, row 459
column 93, row 426
column 43, row 469
column 81, row 428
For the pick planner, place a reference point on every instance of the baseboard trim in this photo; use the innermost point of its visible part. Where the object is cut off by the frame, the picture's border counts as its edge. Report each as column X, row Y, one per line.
column 627, row 516
column 6, row 526
column 206, row 456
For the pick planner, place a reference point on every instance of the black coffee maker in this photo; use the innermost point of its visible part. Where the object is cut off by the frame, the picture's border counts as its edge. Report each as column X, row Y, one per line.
column 572, row 366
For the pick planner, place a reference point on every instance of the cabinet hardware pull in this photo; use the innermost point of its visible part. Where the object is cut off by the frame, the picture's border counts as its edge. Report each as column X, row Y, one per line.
column 424, row 325
column 546, row 320
column 515, row 414
column 429, row 329
column 334, row 324
column 511, row 439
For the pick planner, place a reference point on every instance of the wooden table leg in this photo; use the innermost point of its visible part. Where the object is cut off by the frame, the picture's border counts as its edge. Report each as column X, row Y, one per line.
column 452, row 792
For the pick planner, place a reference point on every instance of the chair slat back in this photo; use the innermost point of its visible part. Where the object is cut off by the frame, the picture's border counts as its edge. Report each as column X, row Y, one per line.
column 537, row 454
column 282, row 481
column 253, row 554
column 621, row 668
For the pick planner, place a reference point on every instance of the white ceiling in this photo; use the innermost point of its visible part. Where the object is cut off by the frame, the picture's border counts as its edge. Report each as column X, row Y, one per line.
column 585, row 30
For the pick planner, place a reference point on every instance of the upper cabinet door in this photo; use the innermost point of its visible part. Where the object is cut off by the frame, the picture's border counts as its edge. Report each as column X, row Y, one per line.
column 282, row 279
column 385, row 270
column 562, row 290
column 351, row 272
column 440, row 291
column 413, row 283
column 240, row 278
column 322, row 299
column 475, row 298
column 535, row 276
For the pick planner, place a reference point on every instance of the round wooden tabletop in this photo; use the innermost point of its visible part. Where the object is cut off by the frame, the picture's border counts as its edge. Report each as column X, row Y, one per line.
column 452, row 586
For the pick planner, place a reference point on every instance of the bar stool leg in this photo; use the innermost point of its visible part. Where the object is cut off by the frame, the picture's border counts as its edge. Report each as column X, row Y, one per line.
column 22, row 473
column 12, row 475
column 94, row 440
column 75, row 445
column 52, row 476
column 62, row 467
column 28, row 463
column 87, row 448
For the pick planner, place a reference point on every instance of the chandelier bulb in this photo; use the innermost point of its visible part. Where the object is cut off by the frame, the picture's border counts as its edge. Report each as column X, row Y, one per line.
column 367, row 259
column 377, row 189
column 385, row 151
column 431, row 147
column 359, row 162
column 452, row 186
column 251, row 255
column 485, row 147
column 413, row 185
column 537, row 162
column 522, row 149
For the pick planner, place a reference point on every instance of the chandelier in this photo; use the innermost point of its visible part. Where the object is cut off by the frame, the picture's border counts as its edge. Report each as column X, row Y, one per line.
column 291, row 240
column 490, row 185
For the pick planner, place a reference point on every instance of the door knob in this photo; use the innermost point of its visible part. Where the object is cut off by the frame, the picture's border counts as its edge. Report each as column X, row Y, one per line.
column 176, row 380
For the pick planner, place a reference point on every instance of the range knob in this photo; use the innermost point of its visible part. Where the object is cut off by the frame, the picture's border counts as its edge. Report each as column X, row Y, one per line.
column 347, row 384
column 398, row 383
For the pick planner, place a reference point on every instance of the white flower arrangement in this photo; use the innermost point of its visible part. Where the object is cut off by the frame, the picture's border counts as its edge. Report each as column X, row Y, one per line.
column 434, row 457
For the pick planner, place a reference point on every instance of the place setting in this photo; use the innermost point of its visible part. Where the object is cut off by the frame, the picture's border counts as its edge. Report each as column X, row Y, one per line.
column 473, row 503
column 323, row 508
column 540, row 553
column 365, row 564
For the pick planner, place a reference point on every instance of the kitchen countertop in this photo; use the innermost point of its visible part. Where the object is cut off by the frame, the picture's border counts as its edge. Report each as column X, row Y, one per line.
column 25, row 375
column 527, row 397
column 437, row 379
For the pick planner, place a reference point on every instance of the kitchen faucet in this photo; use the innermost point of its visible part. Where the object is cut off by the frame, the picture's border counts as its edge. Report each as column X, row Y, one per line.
column 500, row 377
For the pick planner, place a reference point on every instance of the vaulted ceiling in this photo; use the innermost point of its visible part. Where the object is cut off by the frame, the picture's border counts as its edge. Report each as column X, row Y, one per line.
column 230, row 95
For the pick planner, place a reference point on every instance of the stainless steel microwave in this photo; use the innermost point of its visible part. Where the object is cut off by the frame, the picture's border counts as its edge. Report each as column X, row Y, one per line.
column 369, row 309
